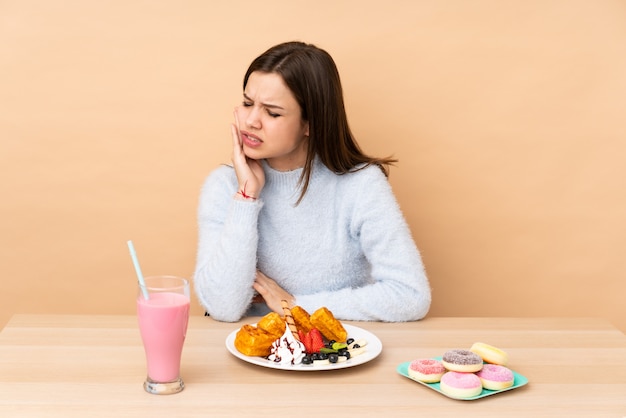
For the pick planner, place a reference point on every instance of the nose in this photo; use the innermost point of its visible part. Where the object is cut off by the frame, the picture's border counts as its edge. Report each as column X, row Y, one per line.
column 253, row 119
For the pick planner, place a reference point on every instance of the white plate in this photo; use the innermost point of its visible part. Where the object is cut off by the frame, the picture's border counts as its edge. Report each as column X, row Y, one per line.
column 373, row 349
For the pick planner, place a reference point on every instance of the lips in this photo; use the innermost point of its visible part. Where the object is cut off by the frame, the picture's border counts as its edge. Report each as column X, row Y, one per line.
column 250, row 139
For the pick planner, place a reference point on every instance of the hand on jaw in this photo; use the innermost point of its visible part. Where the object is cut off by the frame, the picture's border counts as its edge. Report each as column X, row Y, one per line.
column 250, row 173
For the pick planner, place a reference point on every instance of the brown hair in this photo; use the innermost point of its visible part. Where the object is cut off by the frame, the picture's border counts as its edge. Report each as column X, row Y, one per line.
column 312, row 76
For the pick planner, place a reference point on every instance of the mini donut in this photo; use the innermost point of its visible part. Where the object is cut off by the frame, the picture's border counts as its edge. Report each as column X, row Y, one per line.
column 426, row 370
column 460, row 385
column 495, row 377
column 490, row 354
column 463, row 361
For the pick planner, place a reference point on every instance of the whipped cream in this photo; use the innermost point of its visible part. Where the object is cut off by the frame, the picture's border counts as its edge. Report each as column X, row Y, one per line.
column 287, row 350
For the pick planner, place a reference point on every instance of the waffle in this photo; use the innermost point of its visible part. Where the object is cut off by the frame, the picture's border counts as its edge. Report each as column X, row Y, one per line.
column 328, row 325
column 273, row 323
column 257, row 340
column 302, row 319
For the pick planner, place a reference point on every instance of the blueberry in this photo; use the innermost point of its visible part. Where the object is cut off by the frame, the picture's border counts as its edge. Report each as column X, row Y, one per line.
column 333, row 357
column 307, row 360
column 350, row 341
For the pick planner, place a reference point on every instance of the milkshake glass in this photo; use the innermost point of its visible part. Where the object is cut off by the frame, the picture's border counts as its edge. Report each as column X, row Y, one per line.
column 163, row 319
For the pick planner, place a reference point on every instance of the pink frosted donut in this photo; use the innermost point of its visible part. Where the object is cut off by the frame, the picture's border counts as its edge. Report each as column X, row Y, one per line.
column 495, row 377
column 460, row 385
column 426, row 370
column 462, row 361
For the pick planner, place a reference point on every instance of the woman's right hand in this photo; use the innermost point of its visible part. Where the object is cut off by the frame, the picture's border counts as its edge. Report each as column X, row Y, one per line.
column 250, row 174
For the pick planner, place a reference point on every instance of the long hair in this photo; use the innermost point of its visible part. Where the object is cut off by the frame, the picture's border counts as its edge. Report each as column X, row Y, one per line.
column 312, row 76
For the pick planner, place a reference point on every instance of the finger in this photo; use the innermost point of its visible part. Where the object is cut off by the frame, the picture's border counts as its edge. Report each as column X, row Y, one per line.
column 261, row 290
column 238, row 157
column 237, row 126
column 235, row 135
column 236, row 118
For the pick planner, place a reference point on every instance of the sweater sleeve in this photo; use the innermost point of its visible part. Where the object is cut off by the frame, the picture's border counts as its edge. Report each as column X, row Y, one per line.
column 227, row 245
column 398, row 289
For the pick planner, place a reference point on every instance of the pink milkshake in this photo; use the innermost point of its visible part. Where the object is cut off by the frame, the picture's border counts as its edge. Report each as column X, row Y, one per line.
column 163, row 321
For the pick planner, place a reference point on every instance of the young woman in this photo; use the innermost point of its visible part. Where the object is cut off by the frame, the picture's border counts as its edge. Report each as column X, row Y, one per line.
column 303, row 214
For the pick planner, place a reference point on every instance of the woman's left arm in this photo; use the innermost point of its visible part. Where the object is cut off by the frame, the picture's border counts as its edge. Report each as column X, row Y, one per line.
column 398, row 289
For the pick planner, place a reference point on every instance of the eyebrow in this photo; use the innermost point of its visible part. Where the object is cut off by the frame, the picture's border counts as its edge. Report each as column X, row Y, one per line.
column 268, row 105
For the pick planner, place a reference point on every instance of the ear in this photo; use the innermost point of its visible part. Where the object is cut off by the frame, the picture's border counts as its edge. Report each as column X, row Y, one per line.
column 306, row 129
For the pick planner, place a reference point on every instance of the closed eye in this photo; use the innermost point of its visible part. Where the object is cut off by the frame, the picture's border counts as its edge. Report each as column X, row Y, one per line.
column 247, row 102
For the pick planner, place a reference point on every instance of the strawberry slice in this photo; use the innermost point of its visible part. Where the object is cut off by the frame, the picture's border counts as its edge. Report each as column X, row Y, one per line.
column 317, row 341
column 303, row 340
column 312, row 340
column 307, row 343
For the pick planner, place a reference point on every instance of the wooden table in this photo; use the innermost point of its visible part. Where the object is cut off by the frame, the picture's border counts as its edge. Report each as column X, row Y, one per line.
column 93, row 366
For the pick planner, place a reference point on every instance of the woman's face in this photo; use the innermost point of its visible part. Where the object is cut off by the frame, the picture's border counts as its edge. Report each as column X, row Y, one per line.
column 270, row 123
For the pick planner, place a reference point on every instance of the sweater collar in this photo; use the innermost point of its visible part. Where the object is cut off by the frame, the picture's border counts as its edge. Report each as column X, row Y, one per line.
column 287, row 181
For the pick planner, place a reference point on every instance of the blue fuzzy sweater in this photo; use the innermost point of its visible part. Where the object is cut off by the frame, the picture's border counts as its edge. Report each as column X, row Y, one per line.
column 346, row 246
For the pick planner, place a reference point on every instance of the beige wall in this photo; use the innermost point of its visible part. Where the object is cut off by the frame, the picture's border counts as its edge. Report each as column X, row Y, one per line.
column 507, row 118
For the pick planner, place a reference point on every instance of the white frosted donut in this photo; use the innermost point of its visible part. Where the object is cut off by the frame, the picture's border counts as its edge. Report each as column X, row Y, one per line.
column 462, row 361
column 495, row 377
column 490, row 354
column 426, row 370
column 460, row 385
